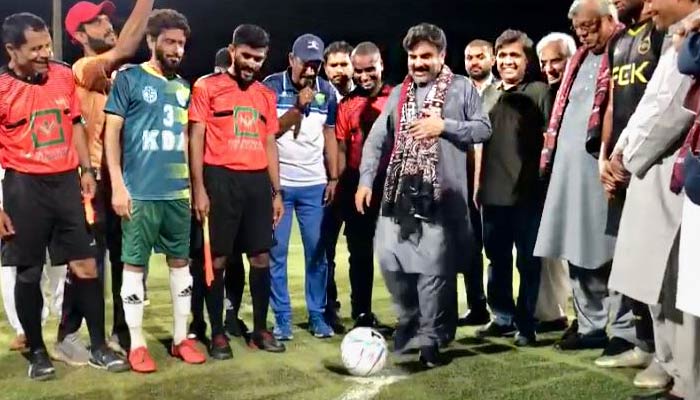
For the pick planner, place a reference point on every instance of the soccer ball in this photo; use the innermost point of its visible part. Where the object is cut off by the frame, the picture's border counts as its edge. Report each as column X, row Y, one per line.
column 364, row 351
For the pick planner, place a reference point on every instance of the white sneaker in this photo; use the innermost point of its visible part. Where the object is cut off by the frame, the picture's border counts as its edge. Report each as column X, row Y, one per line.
column 635, row 358
column 71, row 351
column 653, row 377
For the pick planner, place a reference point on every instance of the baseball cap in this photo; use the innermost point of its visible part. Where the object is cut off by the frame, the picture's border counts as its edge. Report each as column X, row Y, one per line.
column 85, row 11
column 308, row 47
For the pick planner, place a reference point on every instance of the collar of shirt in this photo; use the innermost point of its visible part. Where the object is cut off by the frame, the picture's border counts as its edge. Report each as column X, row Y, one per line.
column 488, row 82
column 515, row 88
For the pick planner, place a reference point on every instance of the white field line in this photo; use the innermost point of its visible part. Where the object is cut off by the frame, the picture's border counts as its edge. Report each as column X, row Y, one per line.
column 367, row 388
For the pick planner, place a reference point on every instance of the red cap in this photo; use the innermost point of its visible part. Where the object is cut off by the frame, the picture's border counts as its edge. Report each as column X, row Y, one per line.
column 85, row 11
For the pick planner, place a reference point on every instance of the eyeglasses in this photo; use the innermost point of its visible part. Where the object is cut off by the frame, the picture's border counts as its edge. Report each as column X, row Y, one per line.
column 586, row 27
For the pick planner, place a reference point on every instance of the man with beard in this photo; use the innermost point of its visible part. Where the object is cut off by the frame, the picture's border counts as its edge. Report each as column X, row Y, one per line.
column 356, row 114
column 511, row 194
column 234, row 277
column 151, row 192
column 554, row 52
column 306, row 106
column 89, row 26
column 235, row 178
column 575, row 212
column 633, row 54
column 42, row 188
column 427, row 125
column 338, row 68
column 479, row 61
column 648, row 238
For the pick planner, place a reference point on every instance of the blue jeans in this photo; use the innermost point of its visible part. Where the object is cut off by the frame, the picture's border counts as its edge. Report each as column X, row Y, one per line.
column 504, row 227
column 307, row 204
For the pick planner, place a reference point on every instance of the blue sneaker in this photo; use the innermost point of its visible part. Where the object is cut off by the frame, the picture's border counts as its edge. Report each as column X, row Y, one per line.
column 319, row 328
column 283, row 328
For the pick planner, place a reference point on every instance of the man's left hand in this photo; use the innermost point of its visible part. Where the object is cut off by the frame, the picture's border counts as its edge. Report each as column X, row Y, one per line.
column 329, row 195
column 426, row 128
column 88, row 184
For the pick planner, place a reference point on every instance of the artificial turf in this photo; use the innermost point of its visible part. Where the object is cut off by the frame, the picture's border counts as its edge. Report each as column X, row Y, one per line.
column 311, row 368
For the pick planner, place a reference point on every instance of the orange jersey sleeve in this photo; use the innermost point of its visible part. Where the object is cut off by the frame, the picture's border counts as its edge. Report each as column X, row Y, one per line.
column 199, row 103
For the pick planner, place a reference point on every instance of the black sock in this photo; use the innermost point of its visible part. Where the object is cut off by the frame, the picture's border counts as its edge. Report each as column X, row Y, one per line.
column 71, row 317
column 235, row 283
column 29, row 303
column 215, row 302
column 198, row 290
column 260, row 292
column 88, row 293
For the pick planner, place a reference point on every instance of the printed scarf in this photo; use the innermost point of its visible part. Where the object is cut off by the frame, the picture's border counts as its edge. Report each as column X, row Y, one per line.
column 412, row 188
column 600, row 102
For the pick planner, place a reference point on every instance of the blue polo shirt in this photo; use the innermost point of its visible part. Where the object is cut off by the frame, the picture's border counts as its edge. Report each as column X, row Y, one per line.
column 301, row 158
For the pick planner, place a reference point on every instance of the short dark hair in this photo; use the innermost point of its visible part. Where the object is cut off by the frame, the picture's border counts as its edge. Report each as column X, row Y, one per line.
column 337, row 47
column 425, row 33
column 366, row 49
column 481, row 43
column 510, row 36
column 251, row 35
column 223, row 58
column 164, row 19
column 14, row 26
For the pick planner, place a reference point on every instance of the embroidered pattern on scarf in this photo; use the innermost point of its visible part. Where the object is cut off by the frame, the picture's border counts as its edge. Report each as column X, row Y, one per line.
column 412, row 187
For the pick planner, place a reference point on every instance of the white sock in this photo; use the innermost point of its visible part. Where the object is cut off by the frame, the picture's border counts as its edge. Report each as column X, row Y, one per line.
column 8, row 276
column 181, row 294
column 132, row 297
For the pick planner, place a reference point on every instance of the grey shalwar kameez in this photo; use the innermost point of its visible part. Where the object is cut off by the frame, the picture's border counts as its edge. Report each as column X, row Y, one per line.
column 417, row 271
column 575, row 216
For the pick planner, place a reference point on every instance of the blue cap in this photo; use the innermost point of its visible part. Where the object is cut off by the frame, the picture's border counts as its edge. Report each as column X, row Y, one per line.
column 308, row 47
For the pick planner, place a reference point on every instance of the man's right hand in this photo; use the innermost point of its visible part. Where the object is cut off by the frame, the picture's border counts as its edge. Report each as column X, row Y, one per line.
column 306, row 96
column 201, row 204
column 607, row 178
column 6, row 227
column 363, row 198
column 121, row 202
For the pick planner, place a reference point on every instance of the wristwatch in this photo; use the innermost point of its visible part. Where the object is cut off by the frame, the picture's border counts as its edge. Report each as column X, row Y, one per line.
column 276, row 192
column 88, row 170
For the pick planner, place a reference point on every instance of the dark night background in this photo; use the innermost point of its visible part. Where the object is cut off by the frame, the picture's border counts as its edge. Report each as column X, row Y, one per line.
column 382, row 21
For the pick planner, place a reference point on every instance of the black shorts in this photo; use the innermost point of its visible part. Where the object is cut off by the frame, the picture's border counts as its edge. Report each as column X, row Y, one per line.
column 45, row 210
column 240, row 215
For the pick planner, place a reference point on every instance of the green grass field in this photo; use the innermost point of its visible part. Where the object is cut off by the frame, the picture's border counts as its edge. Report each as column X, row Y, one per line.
column 311, row 368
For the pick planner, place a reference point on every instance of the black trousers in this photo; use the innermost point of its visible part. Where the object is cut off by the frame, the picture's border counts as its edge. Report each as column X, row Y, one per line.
column 108, row 235
column 644, row 324
column 330, row 231
column 359, row 233
column 474, row 269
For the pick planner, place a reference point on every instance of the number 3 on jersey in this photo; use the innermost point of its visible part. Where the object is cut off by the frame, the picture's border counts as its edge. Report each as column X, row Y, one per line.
column 165, row 140
column 169, row 118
